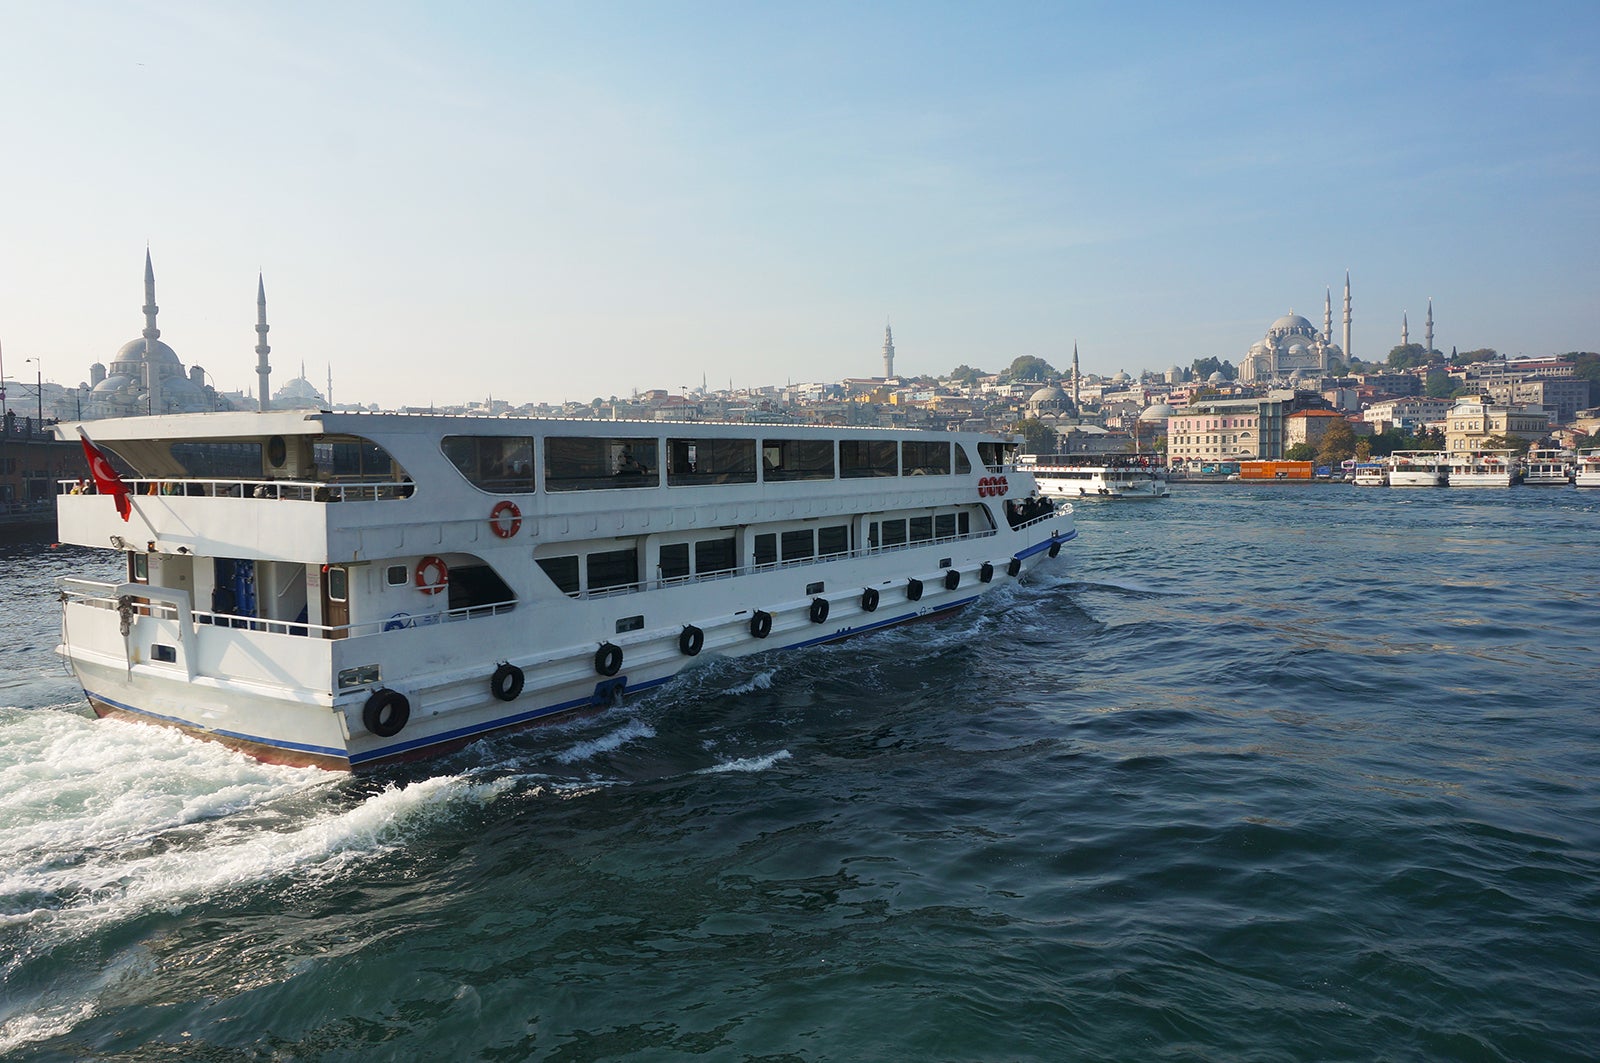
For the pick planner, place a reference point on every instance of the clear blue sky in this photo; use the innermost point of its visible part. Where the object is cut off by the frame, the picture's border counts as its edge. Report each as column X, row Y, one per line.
column 568, row 200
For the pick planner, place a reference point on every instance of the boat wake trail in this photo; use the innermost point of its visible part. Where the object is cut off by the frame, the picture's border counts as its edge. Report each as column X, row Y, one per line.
column 105, row 824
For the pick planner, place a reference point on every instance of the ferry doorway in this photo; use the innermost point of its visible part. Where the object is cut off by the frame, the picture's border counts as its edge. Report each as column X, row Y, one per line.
column 336, row 600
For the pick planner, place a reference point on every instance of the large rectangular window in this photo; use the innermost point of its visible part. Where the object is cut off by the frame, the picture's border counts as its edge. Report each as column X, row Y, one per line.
column 496, row 464
column 595, row 463
column 894, row 532
column 868, row 457
column 924, row 459
column 831, row 541
column 713, row 555
column 613, row 568
column 796, row 459
column 766, row 548
column 921, row 529
column 674, row 560
column 799, row 544
column 710, row 461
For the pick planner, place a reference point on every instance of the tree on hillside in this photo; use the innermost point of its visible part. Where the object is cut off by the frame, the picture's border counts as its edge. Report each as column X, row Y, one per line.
column 1301, row 452
column 1363, row 450
column 1027, row 367
column 1407, row 356
column 1204, row 367
column 1585, row 364
column 1504, row 442
column 1037, row 437
column 1338, row 443
column 966, row 374
column 1482, row 354
column 1440, row 385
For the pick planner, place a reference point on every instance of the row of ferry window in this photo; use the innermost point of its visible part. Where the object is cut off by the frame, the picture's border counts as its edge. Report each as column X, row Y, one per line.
column 601, row 570
column 505, row 464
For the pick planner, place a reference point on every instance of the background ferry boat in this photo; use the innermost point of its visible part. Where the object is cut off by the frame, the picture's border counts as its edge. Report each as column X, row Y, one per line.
column 1370, row 474
column 1548, row 467
column 344, row 589
column 1483, row 468
column 1586, row 469
column 1418, row 468
column 1074, row 476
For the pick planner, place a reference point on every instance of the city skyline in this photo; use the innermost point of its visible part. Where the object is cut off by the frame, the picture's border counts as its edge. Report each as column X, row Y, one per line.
column 566, row 203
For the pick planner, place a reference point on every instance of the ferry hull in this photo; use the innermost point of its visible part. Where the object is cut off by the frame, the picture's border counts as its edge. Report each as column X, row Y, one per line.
column 447, row 712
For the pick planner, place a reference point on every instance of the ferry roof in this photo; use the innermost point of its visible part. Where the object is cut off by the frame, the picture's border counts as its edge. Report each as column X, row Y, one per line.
column 253, row 425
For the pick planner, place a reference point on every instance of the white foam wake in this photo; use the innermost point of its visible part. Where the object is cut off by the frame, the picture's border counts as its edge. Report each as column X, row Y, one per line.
column 749, row 764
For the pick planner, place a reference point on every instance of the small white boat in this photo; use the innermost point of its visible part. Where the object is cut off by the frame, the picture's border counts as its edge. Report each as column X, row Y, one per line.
column 1483, row 468
column 1418, row 468
column 1123, row 476
column 1586, row 469
column 1548, row 467
column 1370, row 474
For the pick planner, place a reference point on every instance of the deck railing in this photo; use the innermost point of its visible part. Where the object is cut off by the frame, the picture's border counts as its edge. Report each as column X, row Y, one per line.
column 140, row 600
column 289, row 490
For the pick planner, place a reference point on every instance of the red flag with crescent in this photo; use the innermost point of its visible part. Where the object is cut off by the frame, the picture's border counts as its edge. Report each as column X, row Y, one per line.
column 106, row 480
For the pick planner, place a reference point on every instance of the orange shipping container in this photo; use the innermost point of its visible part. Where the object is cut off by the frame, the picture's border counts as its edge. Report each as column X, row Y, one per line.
column 1275, row 470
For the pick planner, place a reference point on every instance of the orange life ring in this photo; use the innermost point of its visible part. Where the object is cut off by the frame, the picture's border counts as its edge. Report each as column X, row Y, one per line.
column 498, row 519
column 433, row 575
column 985, row 487
column 1000, row 485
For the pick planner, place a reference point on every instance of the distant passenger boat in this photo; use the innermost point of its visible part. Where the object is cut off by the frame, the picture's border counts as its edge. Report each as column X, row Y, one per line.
column 1483, row 468
column 1074, row 476
column 1548, row 467
column 1370, row 474
column 1418, row 468
column 343, row 589
column 1587, row 469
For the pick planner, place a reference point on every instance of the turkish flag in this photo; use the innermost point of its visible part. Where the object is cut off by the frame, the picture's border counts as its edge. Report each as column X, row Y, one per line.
column 106, row 480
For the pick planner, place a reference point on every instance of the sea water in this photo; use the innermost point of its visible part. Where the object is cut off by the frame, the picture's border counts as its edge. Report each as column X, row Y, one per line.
column 1252, row 773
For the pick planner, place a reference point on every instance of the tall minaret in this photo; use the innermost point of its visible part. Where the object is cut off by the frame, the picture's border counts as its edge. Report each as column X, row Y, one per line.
column 1076, row 376
column 1347, row 354
column 1405, row 330
column 263, row 370
column 1430, row 324
column 888, row 352
column 152, row 374
column 1327, row 315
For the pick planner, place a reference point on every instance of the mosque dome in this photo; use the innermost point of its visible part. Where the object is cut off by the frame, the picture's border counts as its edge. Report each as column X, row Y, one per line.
column 1122, row 377
column 134, row 351
column 1159, row 412
column 1049, row 393
column 1291, row 323
column 1214, row 378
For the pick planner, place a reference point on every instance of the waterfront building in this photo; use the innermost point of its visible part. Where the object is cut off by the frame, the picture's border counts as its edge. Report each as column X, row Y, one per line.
column 1473, row 419
column 1231, row 429
column 1309, row 426
column 1409, row 414
column 1559, row 397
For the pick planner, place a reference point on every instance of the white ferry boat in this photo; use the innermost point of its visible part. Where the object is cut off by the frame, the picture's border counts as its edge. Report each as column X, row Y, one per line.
column 1370, row 474
column 1419, row 468
column 1586, row 470
column 1074, row 476
column 346, row 589
column 1483, row 468
column 1548, row 467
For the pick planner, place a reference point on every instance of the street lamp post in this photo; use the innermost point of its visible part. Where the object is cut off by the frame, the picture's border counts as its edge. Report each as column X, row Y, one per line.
column 38, row 381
